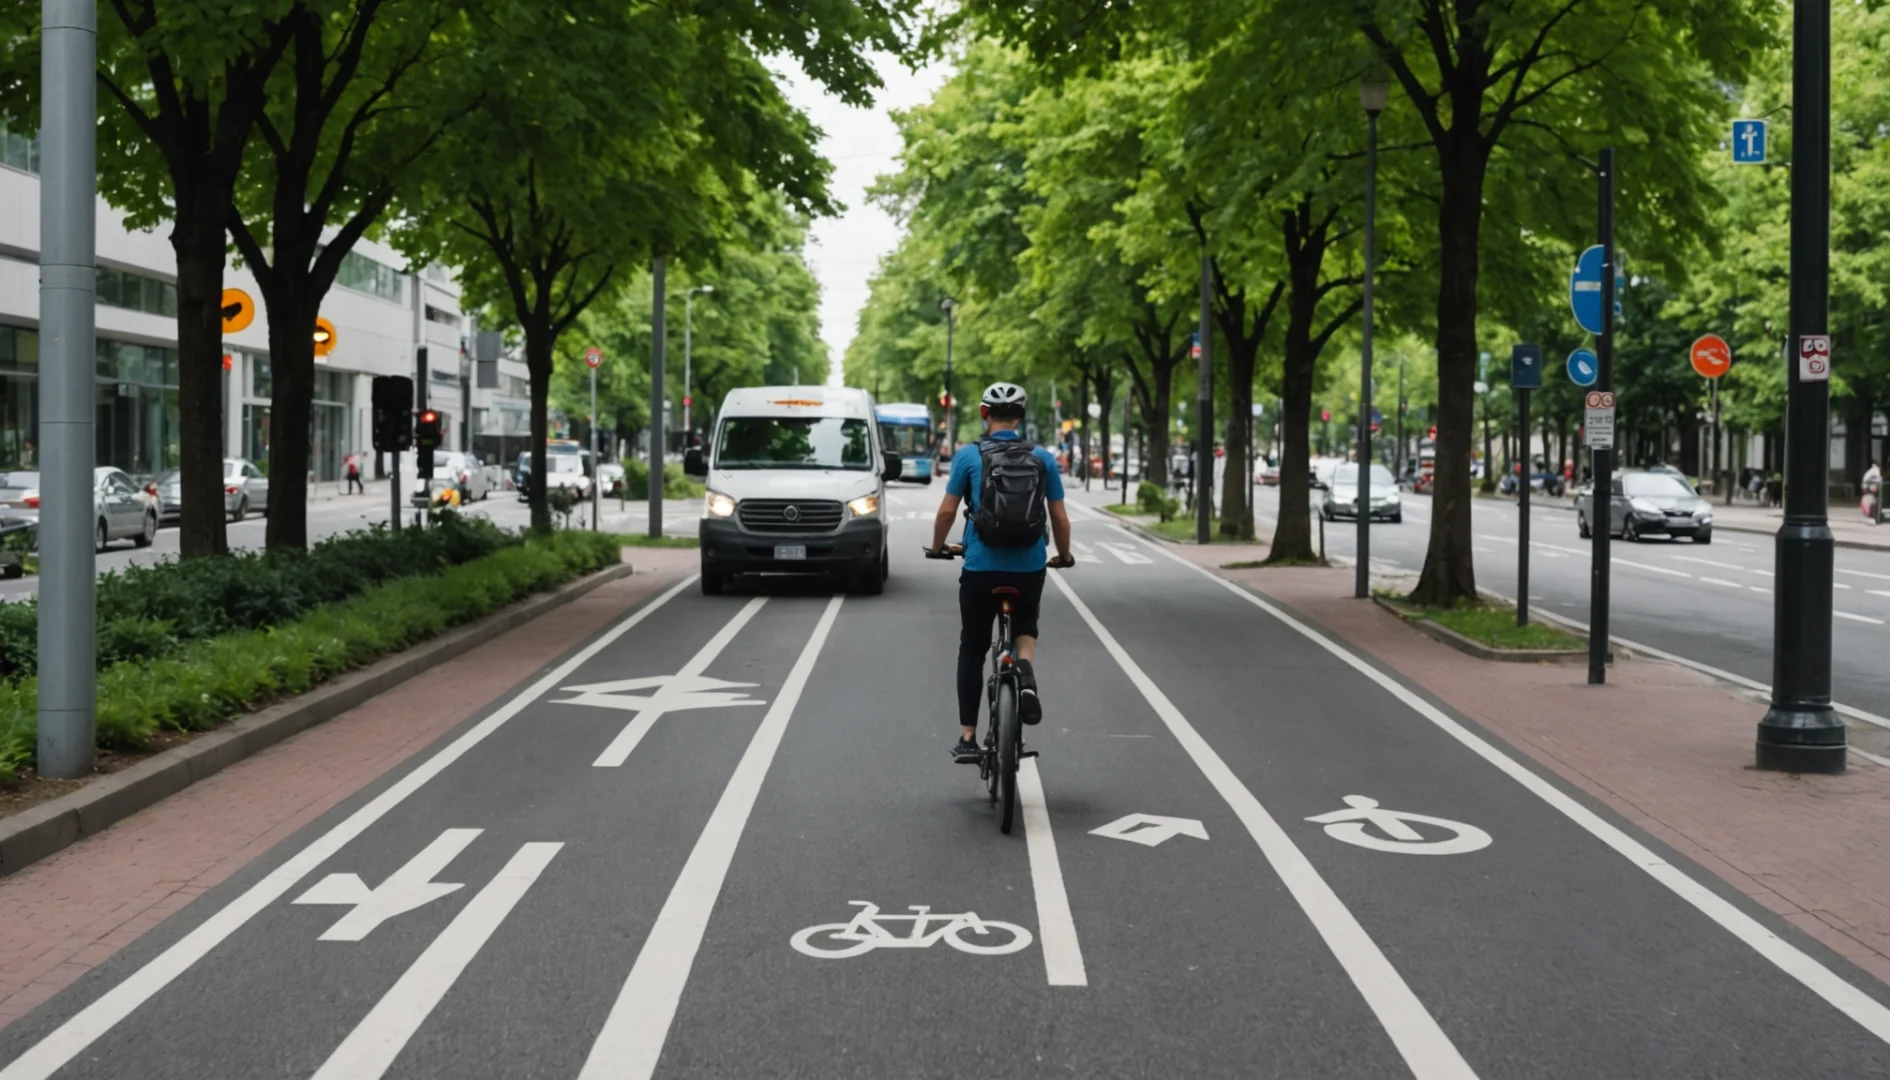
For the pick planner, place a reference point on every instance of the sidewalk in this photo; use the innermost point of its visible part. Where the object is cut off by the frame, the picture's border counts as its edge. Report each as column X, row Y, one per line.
column 63, row 916
column 1664, row 747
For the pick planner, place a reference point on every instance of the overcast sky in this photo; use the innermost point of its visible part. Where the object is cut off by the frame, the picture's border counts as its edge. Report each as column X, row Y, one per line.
column 861, row 143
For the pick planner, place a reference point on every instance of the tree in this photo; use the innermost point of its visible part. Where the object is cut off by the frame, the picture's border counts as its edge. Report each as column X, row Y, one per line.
column 183, row 86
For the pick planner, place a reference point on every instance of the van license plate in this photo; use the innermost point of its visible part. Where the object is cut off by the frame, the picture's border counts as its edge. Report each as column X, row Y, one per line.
column 790, row 551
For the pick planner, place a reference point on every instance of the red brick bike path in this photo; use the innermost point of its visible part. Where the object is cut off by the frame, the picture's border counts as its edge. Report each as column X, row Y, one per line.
column 1665, row 747
column 61, row 917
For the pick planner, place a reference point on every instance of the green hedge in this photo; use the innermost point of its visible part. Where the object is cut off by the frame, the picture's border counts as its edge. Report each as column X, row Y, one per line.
column 146, row 612
column 209, row 681
column 636, row 478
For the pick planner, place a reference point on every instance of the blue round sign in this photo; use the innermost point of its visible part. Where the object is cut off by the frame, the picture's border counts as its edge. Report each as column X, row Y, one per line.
column 1583, row 368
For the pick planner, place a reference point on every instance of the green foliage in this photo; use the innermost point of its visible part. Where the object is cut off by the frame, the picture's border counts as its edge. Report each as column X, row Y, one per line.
column 151, row 611
column 1154, row 499
column 215, row 679
column 636, row 476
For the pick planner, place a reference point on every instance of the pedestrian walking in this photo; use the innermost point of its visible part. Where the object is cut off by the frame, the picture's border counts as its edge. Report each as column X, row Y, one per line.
column 353, row 467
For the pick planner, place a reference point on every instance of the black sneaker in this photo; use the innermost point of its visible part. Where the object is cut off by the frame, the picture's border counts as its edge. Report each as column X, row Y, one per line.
column 1028, row 707
column 966, row 752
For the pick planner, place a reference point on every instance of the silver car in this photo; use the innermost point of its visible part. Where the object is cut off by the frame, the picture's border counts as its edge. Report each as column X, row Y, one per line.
column 1340, row 497
column 451, row 469
column 120, row 508
column 1647, row 503
column 245, row 488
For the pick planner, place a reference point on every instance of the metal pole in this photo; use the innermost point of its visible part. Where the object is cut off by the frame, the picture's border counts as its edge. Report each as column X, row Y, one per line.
column 951, row 399
column 68, row 279
column 658, row 328
column 1204, row 419
column 1601, row 503
column 596, row 472
column 393, row 493
column 1800, row 732
column 688, row 356
column 1362, row 585
column 1251, row 469
column 1522, row 553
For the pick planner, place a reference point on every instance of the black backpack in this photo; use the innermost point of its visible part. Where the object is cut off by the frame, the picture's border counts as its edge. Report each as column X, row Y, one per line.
column 1011, row 511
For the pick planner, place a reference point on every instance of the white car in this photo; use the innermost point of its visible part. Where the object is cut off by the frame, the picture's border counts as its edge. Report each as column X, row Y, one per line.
column 566, row 472
column 451, row 469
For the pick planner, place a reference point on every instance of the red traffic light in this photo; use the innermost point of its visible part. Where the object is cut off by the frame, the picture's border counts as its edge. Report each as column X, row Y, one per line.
column 428, row 416
column 945, row 401
column 1433, row 431
column 1325, row 415
column 687, row 401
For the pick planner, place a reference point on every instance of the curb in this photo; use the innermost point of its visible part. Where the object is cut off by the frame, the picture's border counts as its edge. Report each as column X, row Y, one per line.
column 39, row 831
column 1472, row 647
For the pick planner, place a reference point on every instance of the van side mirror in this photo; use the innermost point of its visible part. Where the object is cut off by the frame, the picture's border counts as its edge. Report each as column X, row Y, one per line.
column 893, row 465
column 693, row 463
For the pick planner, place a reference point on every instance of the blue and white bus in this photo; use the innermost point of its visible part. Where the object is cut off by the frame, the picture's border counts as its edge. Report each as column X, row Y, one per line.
column 907, row 430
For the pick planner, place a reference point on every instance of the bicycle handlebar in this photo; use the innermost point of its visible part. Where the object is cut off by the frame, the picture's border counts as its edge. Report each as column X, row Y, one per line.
column 957, row 551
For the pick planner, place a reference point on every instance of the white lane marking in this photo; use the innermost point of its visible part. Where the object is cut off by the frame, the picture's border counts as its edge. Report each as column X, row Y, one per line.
column 1056, row 927
column 1878, row 592
column 1720, row 565
column 383, row 1033
column 1653, row 569
column 1349, row 824
column 70, row 1038
column 1151, row 830
column 1820, row 980
column 1718, row 581
column 1412, row 1029
column 1870, row 757
column 633, row 1034
column 1857, row 618
column 1758, row 588
column 1839, row 585
column 405, row 889
column 1127, row 554
column 1864, row 573
column 620, row 747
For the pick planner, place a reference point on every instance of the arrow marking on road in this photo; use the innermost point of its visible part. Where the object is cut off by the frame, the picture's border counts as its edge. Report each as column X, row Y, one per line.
column 1399, row 836
column 405, row 889
column 1149, row 830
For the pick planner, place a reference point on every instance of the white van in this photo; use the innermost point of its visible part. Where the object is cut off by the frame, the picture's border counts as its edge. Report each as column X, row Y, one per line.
column 797, row 485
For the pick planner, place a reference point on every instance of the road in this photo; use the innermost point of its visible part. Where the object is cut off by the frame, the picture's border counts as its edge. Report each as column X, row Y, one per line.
column 1711, row 604
column 329, row 516
column 624, row 870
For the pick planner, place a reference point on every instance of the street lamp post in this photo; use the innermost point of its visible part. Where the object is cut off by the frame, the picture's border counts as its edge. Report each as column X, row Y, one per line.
column 950, row 308
column 688, row 349
column 1800, row 732
column 1372, row 94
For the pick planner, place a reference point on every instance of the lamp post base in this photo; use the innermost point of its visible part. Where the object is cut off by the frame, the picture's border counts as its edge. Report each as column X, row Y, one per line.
column 1807, row 739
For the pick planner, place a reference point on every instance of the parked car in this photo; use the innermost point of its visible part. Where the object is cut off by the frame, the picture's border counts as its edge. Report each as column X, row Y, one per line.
column 1648, row 503
column 1547, row 483
column 565, row 472
column 1269, row 474
column 1341, row 494
column 245, row 488
column 610, row 477
column 122, row 510
column 451, row 469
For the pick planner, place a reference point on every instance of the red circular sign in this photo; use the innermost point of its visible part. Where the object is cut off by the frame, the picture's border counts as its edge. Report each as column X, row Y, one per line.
column 593, row 356
column 1711, row 356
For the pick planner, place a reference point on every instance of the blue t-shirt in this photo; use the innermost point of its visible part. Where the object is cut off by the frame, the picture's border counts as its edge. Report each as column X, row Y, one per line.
column 967, row 480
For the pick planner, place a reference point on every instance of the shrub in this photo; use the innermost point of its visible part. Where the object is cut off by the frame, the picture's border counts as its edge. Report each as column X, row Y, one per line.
column 1151, row 499
column 636, row 480
column 208, row 681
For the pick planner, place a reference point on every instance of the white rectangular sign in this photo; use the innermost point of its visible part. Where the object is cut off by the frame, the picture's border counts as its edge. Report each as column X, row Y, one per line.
column 1598, row 420
column 1814, row 358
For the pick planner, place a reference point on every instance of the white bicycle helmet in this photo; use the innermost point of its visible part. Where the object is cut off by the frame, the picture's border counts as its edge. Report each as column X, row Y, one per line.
column 1003, row 393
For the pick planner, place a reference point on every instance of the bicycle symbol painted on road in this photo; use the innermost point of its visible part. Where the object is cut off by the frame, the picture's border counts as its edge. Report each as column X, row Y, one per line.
column 866, row 932
column 1395, row 832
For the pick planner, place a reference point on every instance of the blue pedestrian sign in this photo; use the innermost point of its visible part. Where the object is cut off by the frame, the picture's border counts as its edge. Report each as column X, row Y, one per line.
column 1584, row 289
column 1748, row 142
column 1525, row 367
column 1583, row 368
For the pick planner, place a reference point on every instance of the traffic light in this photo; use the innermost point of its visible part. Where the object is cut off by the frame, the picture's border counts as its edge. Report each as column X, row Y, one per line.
column 426, row 439
column 393, row 413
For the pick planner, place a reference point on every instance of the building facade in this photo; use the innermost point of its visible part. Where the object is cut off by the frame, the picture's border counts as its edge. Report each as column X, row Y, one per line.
column 381, row 315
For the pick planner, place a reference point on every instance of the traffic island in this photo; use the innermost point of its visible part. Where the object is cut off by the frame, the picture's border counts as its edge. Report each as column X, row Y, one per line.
column 1488, row 631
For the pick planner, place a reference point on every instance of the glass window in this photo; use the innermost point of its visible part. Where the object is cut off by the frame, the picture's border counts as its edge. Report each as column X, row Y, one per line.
column 362, row 274
column 906, row 440
column 1348, row 475
column 19, row 151
column 1654, row 484
column 259, row 382
column 119, row 288
column 791, row 442
column 19, row 349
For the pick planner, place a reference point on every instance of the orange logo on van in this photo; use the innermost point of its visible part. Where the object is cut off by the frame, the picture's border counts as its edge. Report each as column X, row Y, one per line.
column 797, row 401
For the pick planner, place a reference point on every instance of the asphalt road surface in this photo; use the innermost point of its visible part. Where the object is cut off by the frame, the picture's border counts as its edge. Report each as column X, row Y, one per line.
column 725, row 839
column 1712, row 604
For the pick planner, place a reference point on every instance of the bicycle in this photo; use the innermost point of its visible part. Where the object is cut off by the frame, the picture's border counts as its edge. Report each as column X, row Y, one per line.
column 867, row 931
column 1004, row 734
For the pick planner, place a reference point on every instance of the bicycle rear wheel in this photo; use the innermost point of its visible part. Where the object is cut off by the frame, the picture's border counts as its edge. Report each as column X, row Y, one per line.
column 1010, row 743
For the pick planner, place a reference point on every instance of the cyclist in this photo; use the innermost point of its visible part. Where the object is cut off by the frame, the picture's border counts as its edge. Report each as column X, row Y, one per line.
column 995, row 471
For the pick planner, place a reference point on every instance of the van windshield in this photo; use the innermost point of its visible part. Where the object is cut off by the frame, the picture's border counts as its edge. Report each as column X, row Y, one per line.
column 793, row 442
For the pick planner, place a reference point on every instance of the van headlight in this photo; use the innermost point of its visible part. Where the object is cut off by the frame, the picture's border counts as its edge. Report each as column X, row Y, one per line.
column 864, row 506
column 718, row 505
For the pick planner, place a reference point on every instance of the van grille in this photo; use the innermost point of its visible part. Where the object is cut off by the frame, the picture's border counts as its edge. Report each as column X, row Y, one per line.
column 790, row 515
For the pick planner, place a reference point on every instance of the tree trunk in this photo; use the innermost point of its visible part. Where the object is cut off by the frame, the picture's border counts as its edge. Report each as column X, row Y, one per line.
column 291, row 403
column 1449, row 573
column 1106, row 397
column 1236, row 515
column 1292, row 534
column 538, row 345
column 197, row 238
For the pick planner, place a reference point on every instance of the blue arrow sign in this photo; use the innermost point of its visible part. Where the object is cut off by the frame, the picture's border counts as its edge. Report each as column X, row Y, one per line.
column 1748, row 142
column 1583, row 368
column 1584, row 289
column 1525, row 367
